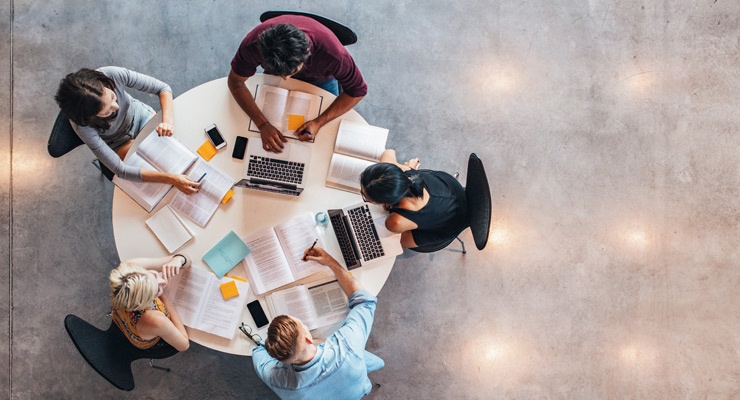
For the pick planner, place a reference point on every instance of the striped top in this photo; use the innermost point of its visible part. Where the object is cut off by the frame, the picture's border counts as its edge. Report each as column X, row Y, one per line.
column 127, row 320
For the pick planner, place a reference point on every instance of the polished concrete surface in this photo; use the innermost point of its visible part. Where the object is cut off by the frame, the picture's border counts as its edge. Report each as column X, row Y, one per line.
column 609, row 133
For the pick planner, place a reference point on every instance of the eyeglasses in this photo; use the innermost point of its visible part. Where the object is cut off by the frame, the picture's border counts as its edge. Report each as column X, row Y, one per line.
column 364, row 198
column 247, row 331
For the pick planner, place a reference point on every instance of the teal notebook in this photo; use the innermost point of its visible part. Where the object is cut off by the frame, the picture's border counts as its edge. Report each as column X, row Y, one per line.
column 226, row 254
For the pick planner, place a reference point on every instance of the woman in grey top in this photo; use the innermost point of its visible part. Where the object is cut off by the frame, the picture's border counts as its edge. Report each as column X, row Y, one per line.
column 108, row 119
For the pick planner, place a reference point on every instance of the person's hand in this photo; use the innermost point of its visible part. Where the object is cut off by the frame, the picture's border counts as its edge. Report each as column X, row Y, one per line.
column 308, row 130
column 319, row 255
column 413, row 163
column 172, row 268
column 165, row 129
column 272, row 139
column 184, row 184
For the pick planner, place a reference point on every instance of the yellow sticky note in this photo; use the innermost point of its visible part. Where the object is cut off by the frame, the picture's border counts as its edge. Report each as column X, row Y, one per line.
column 227, row 196
column 229, row 290
column 295, row 121
column 207, row 150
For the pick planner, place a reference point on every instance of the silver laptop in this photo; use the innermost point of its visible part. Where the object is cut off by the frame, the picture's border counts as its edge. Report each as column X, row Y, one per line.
column 283, row 173
column 363, row 238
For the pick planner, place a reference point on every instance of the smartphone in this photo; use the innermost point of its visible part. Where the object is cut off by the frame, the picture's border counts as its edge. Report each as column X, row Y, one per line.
column 240, row 146
column 258, row 314
column 215, row 136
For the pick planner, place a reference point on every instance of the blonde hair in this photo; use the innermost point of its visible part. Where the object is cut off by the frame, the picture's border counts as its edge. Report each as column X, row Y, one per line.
column 130, row 287
column 282, row 338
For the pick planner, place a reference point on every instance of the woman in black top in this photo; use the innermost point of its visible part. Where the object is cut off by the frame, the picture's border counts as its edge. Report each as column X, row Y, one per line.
column 427, row 207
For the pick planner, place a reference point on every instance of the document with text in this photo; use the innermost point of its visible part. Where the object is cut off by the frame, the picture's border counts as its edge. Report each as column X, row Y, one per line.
column 317, row 306
column 286, row 110
column 357, row 146
column 201, row 206
column 276, row 257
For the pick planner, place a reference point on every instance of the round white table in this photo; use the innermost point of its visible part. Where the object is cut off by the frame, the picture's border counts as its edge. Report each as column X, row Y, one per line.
column 248, row 211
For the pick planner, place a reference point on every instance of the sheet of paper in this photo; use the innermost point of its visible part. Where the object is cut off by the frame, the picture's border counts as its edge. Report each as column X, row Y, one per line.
column 296, row 235
column 295, row 302
column 266, row 266
column 169, row 229
column 361, row 140
column 329, row 302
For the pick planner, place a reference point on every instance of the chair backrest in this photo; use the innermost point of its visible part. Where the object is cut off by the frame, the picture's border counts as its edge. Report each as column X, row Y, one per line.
column 63, row 138
column 478, row 194
column 108, row 352
column 345, row 35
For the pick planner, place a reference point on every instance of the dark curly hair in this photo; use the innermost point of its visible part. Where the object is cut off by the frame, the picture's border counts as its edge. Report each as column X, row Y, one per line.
column 283, row 47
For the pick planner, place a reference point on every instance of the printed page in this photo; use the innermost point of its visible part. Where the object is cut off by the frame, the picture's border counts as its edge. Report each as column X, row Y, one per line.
column 271, row 101
column 221, row 317
column 295, row 302
column 300, row 103
column 361, row 140
column 169, row 229
column 146, row 194
column 166, row 153
column 186, row 290
column 266, row 266
column 296, row 235
column 201, row 206
column 329, row 302
column 344, row 172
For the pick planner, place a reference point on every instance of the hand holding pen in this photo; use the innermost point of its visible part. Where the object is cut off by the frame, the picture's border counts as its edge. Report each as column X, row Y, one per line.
column 310, row 250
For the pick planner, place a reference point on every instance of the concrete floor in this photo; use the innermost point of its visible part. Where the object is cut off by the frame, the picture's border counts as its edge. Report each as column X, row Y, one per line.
column 609, row 133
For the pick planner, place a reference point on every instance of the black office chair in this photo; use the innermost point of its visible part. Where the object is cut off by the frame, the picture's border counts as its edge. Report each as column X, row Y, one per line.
column 64, row 139
column 345, row 35
column 478, row 196
column 110, row 353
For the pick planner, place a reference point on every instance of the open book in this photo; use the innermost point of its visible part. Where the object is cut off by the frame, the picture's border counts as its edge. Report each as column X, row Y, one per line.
column 201, row 206
column 357, row 147
column 286, row 109
column 316, row 306
column 276, row 258
column 161, row 153
column 196, row 296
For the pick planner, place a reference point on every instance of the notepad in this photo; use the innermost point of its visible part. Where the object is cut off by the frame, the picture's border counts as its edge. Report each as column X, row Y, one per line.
column 229, row 289
column 207, row 150
column 228, row 252
column 169, row 229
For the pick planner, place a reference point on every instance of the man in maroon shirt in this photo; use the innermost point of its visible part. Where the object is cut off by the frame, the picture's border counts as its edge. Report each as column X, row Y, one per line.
column 302, row 48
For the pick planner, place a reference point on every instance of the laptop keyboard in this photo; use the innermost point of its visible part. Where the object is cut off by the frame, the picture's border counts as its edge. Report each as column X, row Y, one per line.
column 344, row 240
column 276, row 170
column 367, row 235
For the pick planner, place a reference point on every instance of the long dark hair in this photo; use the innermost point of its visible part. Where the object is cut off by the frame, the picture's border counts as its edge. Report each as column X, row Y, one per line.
column 80, row 97
column 386, row 183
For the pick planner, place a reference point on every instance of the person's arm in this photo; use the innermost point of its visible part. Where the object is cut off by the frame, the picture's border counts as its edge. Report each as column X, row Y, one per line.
column 341, row 105
column 397, row 223
column 171, row 330
column 166, row 127
column 169, row 265
column 348, row 283
column 272, row 139
column 182, row 182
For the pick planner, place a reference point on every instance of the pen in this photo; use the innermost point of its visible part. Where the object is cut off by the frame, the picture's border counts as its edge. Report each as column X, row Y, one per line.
column 312, row 246
column 307, row 132
column 201, row 177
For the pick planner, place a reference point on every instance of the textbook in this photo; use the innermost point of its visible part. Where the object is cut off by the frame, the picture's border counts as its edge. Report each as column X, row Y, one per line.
column 317, row 306
column 196, row 295
column 276, row 257
column 161, row 153
column 286, row 110
column 169, row 229
column 357, row 147
column 228, row 252
column 201, row 206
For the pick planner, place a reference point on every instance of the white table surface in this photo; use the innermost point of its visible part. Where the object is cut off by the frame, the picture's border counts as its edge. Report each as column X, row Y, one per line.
column 249, row 210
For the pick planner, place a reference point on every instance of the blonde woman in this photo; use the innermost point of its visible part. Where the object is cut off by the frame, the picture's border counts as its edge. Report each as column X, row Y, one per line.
column 140, row 308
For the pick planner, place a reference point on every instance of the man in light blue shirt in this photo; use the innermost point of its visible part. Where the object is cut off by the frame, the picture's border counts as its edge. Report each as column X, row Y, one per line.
column 295, row 368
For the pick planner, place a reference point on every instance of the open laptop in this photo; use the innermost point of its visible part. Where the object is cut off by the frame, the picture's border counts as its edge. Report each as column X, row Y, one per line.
column 362, row 238
column 283, row 173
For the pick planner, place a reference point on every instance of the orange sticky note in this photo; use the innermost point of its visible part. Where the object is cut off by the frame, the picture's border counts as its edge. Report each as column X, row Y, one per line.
column 227, row 196
column 295, row 121
column 229, row 290
column 207, row 150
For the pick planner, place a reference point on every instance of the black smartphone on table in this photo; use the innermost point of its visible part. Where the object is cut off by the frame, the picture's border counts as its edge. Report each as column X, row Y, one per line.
column 240, row 146
column 258, row 314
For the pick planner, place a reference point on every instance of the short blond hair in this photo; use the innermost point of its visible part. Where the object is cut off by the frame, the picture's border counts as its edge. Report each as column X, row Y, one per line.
column 282, row 338
column 130, row 287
